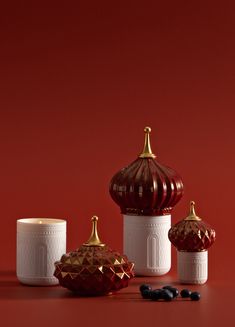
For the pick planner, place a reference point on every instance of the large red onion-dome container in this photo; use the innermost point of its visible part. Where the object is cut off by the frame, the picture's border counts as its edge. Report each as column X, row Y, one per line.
column 192, row 237
column 146, row 187
column 146, row 192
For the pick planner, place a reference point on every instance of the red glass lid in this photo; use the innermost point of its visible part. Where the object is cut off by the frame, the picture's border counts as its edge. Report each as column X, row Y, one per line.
column 94, row 268
column 146, row 187
column 192, row 234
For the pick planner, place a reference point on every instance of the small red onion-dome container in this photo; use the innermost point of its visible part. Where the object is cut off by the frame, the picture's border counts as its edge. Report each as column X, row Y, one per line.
column 146, row 192
column 94, row 269
column 192, row 237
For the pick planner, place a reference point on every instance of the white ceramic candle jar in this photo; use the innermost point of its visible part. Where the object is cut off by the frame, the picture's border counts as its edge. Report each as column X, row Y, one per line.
column 192, row 267
column 40, row 242
column 146, row 243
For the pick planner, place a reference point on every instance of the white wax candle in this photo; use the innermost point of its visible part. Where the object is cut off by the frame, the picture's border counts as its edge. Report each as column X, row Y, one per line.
column 40, row 242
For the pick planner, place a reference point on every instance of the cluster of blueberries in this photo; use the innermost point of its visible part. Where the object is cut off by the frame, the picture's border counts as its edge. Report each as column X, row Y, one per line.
column 167, row 293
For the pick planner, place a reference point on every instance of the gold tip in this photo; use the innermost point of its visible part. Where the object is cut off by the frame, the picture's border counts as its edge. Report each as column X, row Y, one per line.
column 192, row 215
column 147, row 129
column 94, row 239
column 147, row 151
column 192, row 208
column 94, row 218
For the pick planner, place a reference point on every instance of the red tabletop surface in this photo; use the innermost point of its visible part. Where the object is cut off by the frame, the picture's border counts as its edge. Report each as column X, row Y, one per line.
column 54, row 306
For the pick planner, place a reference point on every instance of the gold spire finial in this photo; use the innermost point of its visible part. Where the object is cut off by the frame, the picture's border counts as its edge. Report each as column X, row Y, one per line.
column 192, row 215
column 147, row 151
column 94, row 239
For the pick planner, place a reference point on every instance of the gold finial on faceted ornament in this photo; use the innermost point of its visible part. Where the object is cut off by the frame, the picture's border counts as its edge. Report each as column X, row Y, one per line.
column 94, row 239
column 192, row 215
column 147, row 151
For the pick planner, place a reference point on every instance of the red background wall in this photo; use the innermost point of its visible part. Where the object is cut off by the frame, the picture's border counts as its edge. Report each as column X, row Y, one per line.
column 78, row 83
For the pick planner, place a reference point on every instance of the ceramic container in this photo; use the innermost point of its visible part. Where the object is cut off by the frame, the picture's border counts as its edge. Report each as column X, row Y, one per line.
column 40, row 242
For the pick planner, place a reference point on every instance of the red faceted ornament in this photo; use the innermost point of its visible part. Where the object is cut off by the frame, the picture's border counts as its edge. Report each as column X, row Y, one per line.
column 94, row 269
column 146, row 187
column 192, row 234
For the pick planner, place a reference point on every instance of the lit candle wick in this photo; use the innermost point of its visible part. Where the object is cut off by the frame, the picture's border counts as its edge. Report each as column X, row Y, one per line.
column 40, row 222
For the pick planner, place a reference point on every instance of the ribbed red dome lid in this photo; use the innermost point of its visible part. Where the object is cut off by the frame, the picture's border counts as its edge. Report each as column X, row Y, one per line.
column 146, row 187
column 191, row 234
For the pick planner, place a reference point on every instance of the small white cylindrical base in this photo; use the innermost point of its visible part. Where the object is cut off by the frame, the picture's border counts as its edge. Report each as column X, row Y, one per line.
column 192, row 267
column 40, row 242
column 146, row 244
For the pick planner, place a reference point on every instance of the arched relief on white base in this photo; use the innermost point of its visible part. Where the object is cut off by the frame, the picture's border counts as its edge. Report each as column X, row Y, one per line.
column 41, row 260
column 153, row 259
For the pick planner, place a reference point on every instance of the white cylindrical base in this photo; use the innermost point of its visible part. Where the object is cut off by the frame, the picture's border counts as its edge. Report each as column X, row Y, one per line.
column 192, row 267
column 40, row 242
column 146, row 244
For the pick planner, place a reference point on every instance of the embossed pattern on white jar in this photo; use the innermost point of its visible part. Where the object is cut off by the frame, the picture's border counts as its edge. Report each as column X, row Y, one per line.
column 146, row 243
column 40, row 242
column 192, row 267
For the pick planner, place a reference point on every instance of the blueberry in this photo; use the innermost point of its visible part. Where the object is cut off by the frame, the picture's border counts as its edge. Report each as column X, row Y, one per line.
column 145, row 287
column 146, row 294
column 167, row 295
column 173, row 290
column 185, row 293
column 195, row 296
column 156, row 295
column 167, row 287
